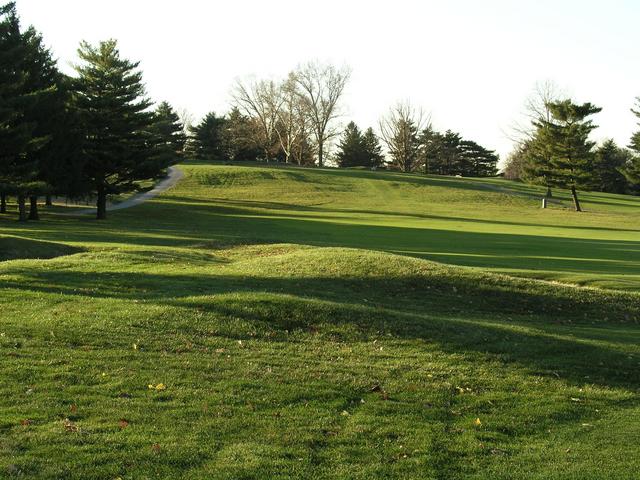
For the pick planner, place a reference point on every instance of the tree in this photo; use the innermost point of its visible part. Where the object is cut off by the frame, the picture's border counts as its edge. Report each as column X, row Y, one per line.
column 536, row 162
column 372, row 149
column 606, row 168
column 320, row 88
column 261, row 100
column 565, row 138
column 206, row 140
column 399, row 131
column 48, row 116
column 631, row 169
column 635, row 139
column 118, row 146
column 168, row 135
column 351, row 150
column 27, row 80
column 476, row 160
column 450, row 161
column 239, row 137
column 430, row 150
column 515, row 163
column 15, row 134
column 291, row 122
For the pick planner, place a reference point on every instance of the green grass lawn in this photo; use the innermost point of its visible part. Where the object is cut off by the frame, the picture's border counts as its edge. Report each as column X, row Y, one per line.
column 268, row 322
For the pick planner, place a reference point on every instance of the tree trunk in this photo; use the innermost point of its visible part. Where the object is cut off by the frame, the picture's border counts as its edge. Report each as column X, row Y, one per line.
column 576, row 202
column 22, row 208
column 101, row 204
column 548, row 194
column 3, row 202
column 48, row 201
column 320, row 153
column 33, row 208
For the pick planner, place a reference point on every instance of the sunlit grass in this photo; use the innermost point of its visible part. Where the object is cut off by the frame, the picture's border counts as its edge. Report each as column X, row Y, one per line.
column 286, row 355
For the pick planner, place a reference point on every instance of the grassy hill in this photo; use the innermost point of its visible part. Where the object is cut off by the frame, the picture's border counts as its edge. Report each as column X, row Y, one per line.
column 268, row 322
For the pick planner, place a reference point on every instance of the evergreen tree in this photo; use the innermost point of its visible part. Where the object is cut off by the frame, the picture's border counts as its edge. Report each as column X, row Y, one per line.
column 119, row 145
column 239, row 137
column 476, row 160
column 565, row 136
column 351, row 150
column 206, row 141
column 372, row 149
column 431, row 150
column 631, row 169
column 168, row 133
column 635, row 139
column 24, row 86
column 537, row 166
column 47, row 116
column 450, row 154
column 608, row 161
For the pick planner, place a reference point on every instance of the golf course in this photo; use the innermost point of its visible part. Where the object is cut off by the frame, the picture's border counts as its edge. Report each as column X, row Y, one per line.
column 260, row 321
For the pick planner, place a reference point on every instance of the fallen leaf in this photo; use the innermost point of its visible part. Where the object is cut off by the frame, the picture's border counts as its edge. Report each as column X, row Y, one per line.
column 73, row 408
column 123, row 423
column 477, row 422
column 26, row 422
column 69, row 426
column 155, row 448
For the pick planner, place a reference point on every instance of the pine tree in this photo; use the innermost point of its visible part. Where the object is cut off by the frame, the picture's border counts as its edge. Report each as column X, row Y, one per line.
column 431, row 150
column 351, row 150
column 476, row 160
column 239, row 137
column 631, row 169
column 23, row 89
column 608, row 161
column 536, row 168
column 206, row 141
column 450, row 160
column 635, row 139
column 565, row 137
column 119, row 146
column 168, row 133
column 46, row 115
column 372, row 149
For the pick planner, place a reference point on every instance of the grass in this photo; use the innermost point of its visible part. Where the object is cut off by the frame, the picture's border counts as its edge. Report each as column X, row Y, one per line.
column 298, row 327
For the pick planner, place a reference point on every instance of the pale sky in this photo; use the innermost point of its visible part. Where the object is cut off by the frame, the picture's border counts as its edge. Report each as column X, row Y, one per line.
column 470, row 63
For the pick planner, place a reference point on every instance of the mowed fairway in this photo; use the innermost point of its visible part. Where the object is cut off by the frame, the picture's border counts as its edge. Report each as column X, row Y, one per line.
column 268, row 322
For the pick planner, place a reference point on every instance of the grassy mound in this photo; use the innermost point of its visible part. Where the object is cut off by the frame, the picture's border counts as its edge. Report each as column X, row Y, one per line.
column 291, row 323
column 283, row 361
column 13, row 248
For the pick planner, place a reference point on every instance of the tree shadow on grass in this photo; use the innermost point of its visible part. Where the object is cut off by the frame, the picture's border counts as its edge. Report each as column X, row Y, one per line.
column 507, row 318
column 168, row 224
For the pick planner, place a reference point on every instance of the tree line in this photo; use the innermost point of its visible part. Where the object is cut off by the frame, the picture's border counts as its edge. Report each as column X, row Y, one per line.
column 92, row 134
column 96, row 133
column 555, row 150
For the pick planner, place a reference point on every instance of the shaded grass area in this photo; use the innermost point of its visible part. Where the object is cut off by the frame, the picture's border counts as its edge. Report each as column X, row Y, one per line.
column 222, row 331
column 12, row 248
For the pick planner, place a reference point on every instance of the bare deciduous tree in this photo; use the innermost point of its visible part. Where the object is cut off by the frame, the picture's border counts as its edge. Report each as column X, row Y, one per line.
column 320, row 88
column 399, row 130
column 535, row 108
column 260, row 100
column 291, row 120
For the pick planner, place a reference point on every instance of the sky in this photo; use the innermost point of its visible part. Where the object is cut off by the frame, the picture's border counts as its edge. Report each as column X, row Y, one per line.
column 470, row 64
